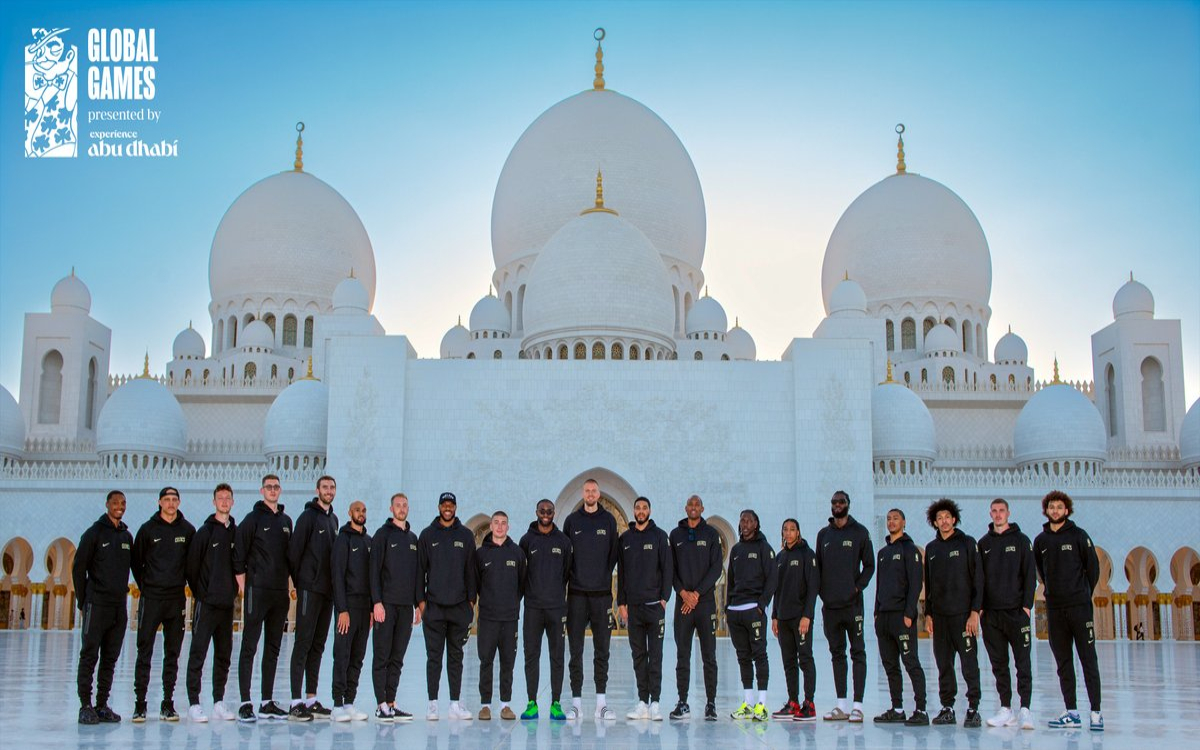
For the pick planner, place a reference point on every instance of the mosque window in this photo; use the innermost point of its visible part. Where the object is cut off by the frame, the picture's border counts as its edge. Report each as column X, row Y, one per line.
column 251, row 371
column 618, row 351
column 219, row 339
column 289, row 330
column 580, row 351
column 698, row 356
column 598, row 350
column 206, row 374
column 274, row 372
column 50, row 390
column 471, row 355
column 891, row 336
column 724, row 357
column 485, row 333
column 968, row 345
column 88, row 415
column 248, row 319
column 908, row 378
column 549, row 353
column 706, row 335
column 291, row 374
column 269, row 319
column 1154, row 413
column 908, row 334
column 924, row 375
column 187, row 376
column 232, row 332
column 522, row 355
column 992, row 380
column 308, row 332
column 980, row 345
column 633, row 352
column 562, row 351
column 1012, row 381
column 496, row 354
column 948, row 375
column 927, row 326
column 1110, row 396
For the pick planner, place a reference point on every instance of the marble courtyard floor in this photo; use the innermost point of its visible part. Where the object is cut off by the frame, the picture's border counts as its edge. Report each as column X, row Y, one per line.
column 1151, row 700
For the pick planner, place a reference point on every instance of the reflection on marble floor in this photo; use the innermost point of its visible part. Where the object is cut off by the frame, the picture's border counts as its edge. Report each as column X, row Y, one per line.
column 1151, row 698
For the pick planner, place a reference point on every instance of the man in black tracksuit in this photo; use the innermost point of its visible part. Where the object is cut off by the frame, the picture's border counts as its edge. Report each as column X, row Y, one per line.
column 1009, row 578
column 953, row 599
column 397, row 589
column 310, row 557
column 697, row 563
column 548, row 559
column 352, row 605
column 500, row 581
column 593, row 534
column 1069, row 568
column 101, row 577
column 260, row 562
column 791, row 620
column 160, row 569
column 846, row 560
column 447, row 558
column 898, row 576
column 644, row 577
column 750, row 584
column 214, row 590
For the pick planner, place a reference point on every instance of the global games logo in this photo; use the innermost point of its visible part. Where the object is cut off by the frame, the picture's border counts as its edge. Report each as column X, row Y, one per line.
column 51, row 99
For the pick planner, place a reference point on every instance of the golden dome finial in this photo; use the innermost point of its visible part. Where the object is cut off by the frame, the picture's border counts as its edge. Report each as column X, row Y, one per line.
column 309, row 374
column 706, row 290
column 889, row 373
column 846, row 276
column 1130, row 274
column 490, row 291
column 736, row 323
column 1010, row 327
column 146, row 365
column 1056, row 381
column 298, row 166
column 352, row 272
column 460, row 320
column 189, row 325
column 598, row 84
column 599, row 207
column 73, row 273
column 900, row 167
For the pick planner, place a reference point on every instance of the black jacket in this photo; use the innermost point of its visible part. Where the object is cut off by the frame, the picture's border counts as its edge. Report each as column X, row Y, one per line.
column 351, row 574
column 1067, row 563
column 499, row 579
column 847, row 562
column 953, row 575
column 898, row 575
column 160, row 550
column 210, row 563
column 261, row 549
column 447, row 555
column 593, row 550
column 753, row 574
column 395, row 566
column 1009, row 574
column 644, row 565
column 548, row 561
column 310, row 552
column 102, row 560
column 798, row 584
column 696, row 558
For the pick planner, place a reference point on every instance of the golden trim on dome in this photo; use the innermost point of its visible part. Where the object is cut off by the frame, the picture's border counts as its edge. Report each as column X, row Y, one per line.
column 900, row 166
column 598, row 83
column 1056, row 380
column 889, row 373
column 298, row 165
column 599, row 207
column 309, row 375
column 146, row 366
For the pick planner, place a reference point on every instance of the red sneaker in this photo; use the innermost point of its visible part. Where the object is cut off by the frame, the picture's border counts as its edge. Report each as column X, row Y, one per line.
column 787, row 712
column 805, row 712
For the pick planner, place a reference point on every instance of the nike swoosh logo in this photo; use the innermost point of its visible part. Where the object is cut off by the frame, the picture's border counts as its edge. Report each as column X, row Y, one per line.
column 397, row 544
column 216, row 543
column 486, row 564
column 266, row 528
column 156, row 541
column 533, row 552
column 579, row 532
column 320, row 531
column 435, row 544
column 104, row 545
column 354, row 549
column 626, row 546
column 987, row 551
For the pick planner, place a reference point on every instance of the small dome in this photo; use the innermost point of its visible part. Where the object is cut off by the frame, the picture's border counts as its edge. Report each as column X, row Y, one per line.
column 848, row 299
column 142, row 416
column 1133, row 300
column 1059, row 423
column 70, row 295
column 901, row 426
column 257, row 335
column 1189, row 438
column 942, row 338
column 350, row 297
column 490, row 314
column 189, row 344
column 298, row 420
column 455, row 343
column 740, row 344
column 706, row 316
column 1011, row 350
column 12, row 426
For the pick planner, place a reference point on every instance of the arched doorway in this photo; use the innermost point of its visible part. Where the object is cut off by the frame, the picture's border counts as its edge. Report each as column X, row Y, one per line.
column 728, row 538
column 1185, row 571
column 58, row 595
column 1102, row 599
column 15, row 610
column 479, row 525
column 1144, row 617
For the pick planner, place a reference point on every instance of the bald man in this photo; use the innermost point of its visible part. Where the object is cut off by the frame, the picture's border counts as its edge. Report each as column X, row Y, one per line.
column 352, row 602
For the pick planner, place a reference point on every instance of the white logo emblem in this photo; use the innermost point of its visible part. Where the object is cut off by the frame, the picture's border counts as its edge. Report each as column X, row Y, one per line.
column 104, row 545
column 215, row 543
column 354, row 549
column 156, row 540
column 51, row 85
column 395, row 545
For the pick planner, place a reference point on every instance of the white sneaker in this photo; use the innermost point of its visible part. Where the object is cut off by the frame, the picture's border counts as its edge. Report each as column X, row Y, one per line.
column 340, row 714
column 1025, row 718
column 640, row 711
column 604, row 713
column 355, row 713
column 655, row 712
column 196, row 714
column 222, row 712
column 1002, row 717
column 459, row 711
column 572, row 714
column 432, row 714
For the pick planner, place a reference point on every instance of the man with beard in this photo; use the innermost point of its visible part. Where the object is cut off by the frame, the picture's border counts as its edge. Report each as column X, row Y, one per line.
column 846, row 560
column 214, row 589
column 447, row 559
column 696, row 548
column 644, row 579
column 397, row 590
column 352, row 603
column 897, row 594
column 750, row 585
column 1009, row 578
column 548, row 557
column 310, row 554
column 791, row 620
column 160, row 569
column 500, row 575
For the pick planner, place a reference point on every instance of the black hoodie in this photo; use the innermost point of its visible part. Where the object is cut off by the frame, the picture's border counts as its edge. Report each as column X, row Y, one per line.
column 210, row 563
column 1009, row 574
column 396, row 566
column 447, row 563
column 160, row 556
column 847, row 562
column 499, row 579
column 593, row 550
column 1067, row 563
column 953, row 575
column 697, row 558
column 898, row 577
column 261, row 549
column 310, row 552
column 548, row 561
column 644, row 565
column 798, row 584
column 753, row 574
column 101, row 570
column 351, row 574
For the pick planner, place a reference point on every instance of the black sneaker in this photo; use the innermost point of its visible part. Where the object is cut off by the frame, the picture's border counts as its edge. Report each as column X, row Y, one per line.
column 271, row 710
column 318, row 711
column 107, row 716
column 398, row 715
column 710, row 711
column 87, row 715
column 945, row 716
column 246, row 713
column 972, row 720
column 384, row 716
column 917, row 718
column 891, row 716
column 139, row 712
column 300, row 712
column 681, row 711
column 166, row 712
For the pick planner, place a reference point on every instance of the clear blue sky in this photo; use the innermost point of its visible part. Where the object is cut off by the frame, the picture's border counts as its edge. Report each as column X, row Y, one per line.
column 1071, row 129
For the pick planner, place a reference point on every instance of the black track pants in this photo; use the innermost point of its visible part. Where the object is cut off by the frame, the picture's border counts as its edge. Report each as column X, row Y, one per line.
column 584, row 610
column 313, row 613
column 263, row 609
column 840, row 624
column 348, row 652
column 898, row 643
column 215, row 625
column 1004, row 629
column 703, row 622
column 748, row 631
column 103, row 633
column 151, row 613
column 950, row 639
column 446, row 631
column 1074, row 626
column 553, row 624
column 797, row 653
column 389, row 640
column 496, row 636
column 647, row 625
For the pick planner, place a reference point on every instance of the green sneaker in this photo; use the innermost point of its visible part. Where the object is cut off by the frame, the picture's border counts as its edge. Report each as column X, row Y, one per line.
column 531, row 711
column 556, row 712
column 744, row 712
column 760, row 713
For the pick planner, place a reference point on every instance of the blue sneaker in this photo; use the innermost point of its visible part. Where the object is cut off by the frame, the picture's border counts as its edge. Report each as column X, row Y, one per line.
column 531, row 712
column 1068, row 720
column 1097, row 724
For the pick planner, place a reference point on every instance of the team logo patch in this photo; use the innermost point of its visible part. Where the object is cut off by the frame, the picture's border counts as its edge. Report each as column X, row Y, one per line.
column 51, row 95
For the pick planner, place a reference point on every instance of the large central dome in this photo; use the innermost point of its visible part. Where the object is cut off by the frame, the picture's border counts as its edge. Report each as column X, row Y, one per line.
column 549, row 174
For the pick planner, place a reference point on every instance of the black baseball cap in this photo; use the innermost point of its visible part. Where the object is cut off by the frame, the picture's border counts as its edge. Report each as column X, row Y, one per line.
column 447, row 497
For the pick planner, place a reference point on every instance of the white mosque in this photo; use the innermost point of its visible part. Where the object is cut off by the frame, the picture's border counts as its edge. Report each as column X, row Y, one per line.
column 601, row 355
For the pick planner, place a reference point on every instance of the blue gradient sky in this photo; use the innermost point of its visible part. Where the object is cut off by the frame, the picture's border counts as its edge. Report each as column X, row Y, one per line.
column 1071, row 129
